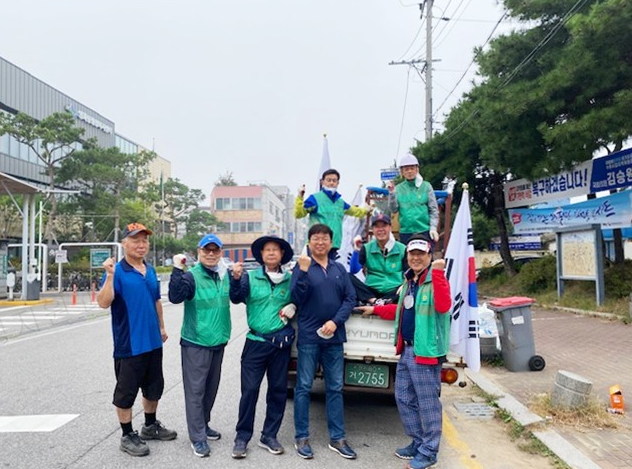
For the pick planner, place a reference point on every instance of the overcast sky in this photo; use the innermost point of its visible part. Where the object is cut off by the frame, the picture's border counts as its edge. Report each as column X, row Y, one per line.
column 250, row 86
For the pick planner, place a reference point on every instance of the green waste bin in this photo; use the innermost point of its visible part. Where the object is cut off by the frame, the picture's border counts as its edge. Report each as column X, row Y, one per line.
column 513, row 319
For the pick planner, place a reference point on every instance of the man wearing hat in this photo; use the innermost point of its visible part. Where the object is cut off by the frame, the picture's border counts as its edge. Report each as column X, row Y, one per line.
column 415, row 201
column 266, row 293
column 131, row 288
column 205, row 332
column 383, row 259
column 422, row 331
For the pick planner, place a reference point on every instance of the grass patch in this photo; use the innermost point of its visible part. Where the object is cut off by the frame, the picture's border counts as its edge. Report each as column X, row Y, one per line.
column 577, row 294
column 593, row 415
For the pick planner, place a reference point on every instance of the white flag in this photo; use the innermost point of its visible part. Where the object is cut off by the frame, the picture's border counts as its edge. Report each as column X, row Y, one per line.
column 325, row 162
column 351, row 227
column 461, row 273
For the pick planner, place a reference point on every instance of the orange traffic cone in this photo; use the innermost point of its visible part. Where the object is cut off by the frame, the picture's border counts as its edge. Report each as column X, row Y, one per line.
column 74, row 294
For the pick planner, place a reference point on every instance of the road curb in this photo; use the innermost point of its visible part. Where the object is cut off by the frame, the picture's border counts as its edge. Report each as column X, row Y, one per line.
column 549, row 438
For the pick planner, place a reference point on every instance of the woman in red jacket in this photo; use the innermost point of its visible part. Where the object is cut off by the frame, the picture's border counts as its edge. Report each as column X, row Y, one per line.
column 422, row 339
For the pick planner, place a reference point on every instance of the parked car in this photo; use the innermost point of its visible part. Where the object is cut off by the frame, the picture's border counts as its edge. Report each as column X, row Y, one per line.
column 250, row 263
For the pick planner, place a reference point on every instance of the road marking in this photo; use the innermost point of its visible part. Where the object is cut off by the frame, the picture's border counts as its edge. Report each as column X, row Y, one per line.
column 34, row 423
column 51, row 332
column 452, row 437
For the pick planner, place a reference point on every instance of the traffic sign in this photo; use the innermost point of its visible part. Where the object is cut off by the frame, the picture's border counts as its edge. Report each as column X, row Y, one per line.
column 389, row 174
column 61, row 256
column 98, row 257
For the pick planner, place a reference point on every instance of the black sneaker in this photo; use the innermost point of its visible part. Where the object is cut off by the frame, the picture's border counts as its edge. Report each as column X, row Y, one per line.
column 157, row 431
column 342, row 448
column 239, row 449
column 212, row 434
column 201, row 449
column 271, row 444
column 132, row 444
column 303, row 448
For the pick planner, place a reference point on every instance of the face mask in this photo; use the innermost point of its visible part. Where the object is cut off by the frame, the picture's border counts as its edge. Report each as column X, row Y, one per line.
column 276, row 277
column 330, row 190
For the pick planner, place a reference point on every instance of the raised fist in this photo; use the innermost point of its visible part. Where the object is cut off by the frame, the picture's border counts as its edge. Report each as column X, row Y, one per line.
column 179, row 261
column 439, row 264
column 238, row 269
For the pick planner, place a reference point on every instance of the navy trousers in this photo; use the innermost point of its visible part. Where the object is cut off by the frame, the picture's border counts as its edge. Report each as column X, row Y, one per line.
column 259, row 359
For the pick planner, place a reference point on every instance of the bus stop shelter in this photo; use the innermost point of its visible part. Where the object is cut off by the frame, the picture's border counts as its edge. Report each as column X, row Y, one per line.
column 12, row 186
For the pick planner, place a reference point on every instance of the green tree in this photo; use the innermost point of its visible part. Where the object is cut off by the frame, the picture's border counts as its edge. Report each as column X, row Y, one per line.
column 226, row 179
column 52, row 140
column 108, row 180
column 9, row 216
column 551, row 95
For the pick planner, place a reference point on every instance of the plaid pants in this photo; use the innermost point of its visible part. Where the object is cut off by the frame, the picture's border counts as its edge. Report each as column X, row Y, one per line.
column 417, row 392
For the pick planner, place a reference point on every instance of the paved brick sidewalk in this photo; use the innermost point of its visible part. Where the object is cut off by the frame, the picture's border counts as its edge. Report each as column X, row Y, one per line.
column 598, row 349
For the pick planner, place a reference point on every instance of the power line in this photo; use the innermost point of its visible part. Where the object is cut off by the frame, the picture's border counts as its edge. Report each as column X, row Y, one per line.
column 470, row 65
column 401, row 126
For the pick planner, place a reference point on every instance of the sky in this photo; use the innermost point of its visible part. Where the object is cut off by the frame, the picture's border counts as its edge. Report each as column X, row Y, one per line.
column 250, row 87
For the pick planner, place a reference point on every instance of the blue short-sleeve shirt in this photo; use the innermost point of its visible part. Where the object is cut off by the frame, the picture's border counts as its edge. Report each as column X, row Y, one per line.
column 135, row 325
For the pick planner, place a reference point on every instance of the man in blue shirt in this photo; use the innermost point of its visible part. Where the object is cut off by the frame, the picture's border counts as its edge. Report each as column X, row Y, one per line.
column 324, row 297
column 131, row 289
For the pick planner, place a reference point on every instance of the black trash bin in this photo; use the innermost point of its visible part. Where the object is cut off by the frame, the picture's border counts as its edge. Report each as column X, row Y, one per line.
column 513, row 319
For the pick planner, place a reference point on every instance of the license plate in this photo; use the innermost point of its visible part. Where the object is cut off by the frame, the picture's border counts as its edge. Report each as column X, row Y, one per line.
column 370, row 376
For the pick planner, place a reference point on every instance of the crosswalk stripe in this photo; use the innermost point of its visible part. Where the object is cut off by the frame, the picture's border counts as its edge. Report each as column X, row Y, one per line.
column 34, row 423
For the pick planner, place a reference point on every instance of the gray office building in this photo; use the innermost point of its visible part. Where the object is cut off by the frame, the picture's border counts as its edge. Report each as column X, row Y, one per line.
column 22, row 92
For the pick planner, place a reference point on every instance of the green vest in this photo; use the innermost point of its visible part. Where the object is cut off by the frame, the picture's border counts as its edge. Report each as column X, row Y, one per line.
column 329, row 213
column 263, row 303
column 207, row 316
column 413, row 206
column 432, row 330
column 384, row 274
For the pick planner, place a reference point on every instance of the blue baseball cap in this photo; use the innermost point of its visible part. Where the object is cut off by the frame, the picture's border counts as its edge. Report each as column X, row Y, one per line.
column 210, row 239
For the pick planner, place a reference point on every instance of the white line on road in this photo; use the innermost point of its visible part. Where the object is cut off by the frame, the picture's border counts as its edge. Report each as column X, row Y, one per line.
column 34, row 423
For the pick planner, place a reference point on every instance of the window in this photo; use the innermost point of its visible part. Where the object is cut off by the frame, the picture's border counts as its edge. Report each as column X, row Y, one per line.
column 222, row 203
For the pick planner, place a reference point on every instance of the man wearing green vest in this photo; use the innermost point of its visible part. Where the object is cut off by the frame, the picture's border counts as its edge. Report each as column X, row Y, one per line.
column 266, row 292
column 327, row 207
column 383, row 262
column 415, row 201
column 205, row 332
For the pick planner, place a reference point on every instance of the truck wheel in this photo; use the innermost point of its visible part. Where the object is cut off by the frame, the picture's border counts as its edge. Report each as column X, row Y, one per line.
column 536, row 363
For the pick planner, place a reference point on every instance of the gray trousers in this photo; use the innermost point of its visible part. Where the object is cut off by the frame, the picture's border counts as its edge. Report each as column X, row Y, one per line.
column 201, row 370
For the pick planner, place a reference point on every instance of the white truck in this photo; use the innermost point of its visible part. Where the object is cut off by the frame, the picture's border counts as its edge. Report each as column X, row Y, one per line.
column 369, row 353
column 369, row 357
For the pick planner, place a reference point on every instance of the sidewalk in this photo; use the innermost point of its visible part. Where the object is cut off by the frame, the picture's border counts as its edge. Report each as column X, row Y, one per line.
column 597, row 349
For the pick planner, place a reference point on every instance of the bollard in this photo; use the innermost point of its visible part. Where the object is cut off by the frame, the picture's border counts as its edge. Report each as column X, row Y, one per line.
column 570, row 390
column 74, row 294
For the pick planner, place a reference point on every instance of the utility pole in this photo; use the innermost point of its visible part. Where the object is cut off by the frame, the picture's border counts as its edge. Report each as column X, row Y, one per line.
column 427, row 67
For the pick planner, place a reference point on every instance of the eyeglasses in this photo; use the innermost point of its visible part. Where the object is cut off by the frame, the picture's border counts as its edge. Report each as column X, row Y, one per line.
column 211, row 250
column 320, row 239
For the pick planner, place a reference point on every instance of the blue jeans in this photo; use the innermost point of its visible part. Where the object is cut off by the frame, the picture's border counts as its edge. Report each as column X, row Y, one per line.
column 331, row 359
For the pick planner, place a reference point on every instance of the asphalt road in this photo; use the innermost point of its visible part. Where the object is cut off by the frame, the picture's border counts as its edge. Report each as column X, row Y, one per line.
column 68, row 369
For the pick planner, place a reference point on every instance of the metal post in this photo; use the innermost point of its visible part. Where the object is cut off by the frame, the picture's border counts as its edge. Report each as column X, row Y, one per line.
column 25, row 238
column 429, row 70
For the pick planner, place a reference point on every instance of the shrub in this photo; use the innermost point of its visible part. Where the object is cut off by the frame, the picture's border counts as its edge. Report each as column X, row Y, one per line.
column 618, row 279
column 539, row 275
